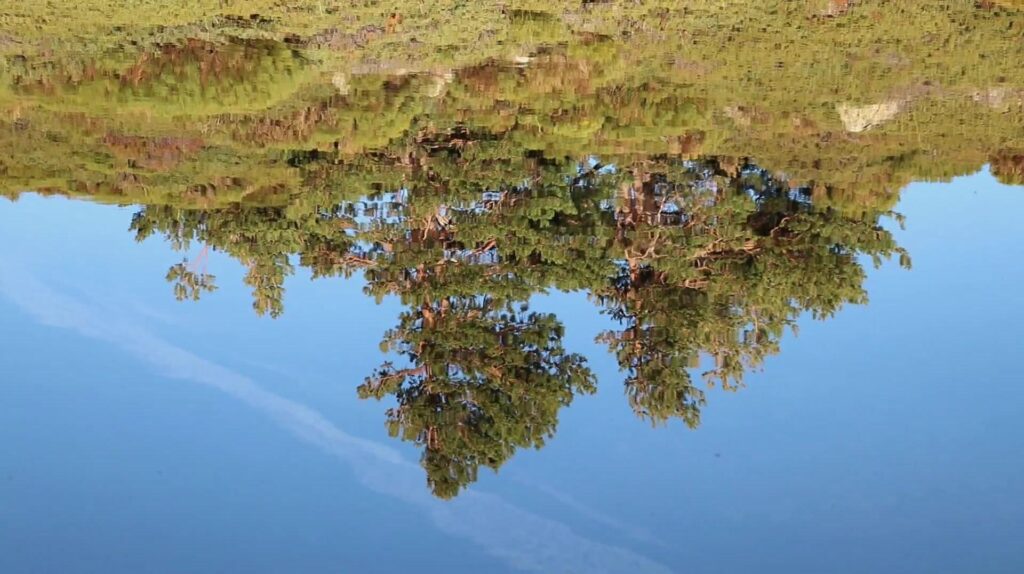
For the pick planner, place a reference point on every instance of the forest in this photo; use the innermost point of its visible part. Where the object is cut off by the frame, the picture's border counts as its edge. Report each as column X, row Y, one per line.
column 703, row 173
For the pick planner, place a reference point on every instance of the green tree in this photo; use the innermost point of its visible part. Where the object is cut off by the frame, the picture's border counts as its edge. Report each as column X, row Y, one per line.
column 484, row 378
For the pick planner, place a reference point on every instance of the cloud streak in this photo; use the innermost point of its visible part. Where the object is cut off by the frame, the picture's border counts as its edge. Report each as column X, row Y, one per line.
column 526, row 541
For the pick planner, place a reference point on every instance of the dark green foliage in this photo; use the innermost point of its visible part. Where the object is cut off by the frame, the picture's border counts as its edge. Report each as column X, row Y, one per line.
column 702, row 262
column 484, row 378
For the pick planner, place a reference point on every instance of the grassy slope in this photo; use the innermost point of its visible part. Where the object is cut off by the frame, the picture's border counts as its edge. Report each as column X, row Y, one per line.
column 631, row 79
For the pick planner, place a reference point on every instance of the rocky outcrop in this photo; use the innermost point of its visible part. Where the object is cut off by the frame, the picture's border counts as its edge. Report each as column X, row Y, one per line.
column 857, row 119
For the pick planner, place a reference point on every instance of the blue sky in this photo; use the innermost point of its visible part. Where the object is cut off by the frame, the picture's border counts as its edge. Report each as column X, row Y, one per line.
column 144, row 432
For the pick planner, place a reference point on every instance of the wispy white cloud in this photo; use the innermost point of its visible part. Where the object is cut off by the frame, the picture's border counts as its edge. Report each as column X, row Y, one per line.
column 525, row 540
column 639, row 534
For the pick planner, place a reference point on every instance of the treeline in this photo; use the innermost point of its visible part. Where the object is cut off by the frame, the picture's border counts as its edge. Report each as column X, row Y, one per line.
column 702, row 264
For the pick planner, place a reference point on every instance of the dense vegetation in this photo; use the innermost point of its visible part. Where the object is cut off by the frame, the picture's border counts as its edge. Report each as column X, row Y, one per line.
column 704, row 258
column 705, row 171
column 865, row 95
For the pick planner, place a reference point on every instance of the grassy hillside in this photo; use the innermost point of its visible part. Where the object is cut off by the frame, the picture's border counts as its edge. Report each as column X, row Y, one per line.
column 213, row 100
